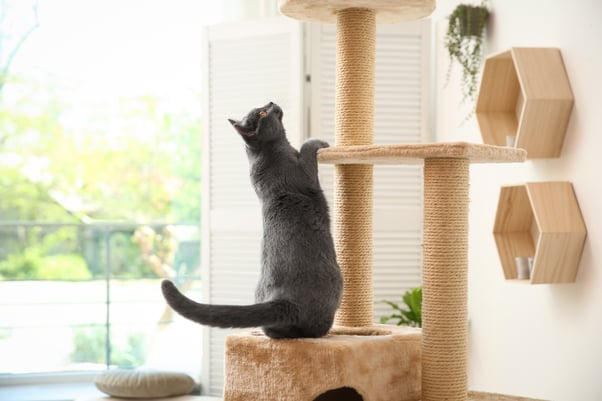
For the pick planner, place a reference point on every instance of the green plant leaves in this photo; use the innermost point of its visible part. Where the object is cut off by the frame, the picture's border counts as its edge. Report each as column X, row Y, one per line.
column 410, row 313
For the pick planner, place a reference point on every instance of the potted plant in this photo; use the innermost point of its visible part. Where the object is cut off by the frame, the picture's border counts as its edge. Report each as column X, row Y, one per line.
column 411, row 314
column 464, row 40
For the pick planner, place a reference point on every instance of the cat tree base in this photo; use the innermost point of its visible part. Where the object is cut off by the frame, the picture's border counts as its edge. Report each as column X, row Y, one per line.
column 376, row 363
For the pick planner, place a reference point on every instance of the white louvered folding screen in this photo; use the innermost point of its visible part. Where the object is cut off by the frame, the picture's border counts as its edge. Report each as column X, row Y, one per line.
column 247, row 64
column 251, row 63
column 401, row 116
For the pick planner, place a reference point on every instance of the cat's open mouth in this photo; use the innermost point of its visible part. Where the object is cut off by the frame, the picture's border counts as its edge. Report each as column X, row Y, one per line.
column 247, row 133
column 250, row 127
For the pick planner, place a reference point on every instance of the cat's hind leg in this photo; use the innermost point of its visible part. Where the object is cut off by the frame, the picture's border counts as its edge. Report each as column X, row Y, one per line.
column 296, row 332
column 283, row 332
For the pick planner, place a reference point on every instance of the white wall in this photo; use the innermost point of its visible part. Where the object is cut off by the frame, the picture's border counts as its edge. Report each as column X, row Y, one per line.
column 537, row 341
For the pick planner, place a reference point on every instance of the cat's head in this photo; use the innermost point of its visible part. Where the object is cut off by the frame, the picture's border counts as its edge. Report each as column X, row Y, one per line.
column 261, row 125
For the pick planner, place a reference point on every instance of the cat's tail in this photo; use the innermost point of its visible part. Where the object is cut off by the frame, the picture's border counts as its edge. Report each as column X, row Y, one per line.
column 272, row 313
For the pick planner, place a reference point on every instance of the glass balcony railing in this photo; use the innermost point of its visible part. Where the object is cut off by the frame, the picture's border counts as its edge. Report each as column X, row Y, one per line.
column 81, row 297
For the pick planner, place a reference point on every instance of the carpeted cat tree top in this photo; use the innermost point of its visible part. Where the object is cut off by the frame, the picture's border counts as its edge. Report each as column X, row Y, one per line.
column 352, row 362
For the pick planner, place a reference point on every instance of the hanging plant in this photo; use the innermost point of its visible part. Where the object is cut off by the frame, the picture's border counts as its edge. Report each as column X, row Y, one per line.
column 464, row 42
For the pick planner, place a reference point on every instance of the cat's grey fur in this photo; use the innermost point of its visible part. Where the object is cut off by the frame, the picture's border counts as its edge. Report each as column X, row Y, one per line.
column 300, row 285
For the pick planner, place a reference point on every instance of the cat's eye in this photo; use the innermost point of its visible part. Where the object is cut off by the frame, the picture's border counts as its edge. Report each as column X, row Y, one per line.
column 262, row 113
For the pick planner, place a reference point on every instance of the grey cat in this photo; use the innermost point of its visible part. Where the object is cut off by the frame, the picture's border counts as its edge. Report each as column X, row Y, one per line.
column 300, row 285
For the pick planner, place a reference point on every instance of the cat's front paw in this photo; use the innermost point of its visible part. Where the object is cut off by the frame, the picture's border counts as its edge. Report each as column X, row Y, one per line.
column 316, row 144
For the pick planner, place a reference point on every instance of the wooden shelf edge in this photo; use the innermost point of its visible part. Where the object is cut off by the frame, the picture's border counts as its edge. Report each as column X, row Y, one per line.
column 415, row 153
column 525, row 281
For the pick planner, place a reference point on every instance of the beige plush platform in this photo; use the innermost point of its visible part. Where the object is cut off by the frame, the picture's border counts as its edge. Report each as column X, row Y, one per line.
column 381, row 363
column 416, row 153
column 387, row 11
column 472, row 396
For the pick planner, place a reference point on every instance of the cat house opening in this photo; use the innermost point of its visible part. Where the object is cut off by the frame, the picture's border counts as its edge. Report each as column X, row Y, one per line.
column 340, row 394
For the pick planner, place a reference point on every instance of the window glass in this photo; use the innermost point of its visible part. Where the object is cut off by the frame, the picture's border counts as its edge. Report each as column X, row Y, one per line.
column 100, row 136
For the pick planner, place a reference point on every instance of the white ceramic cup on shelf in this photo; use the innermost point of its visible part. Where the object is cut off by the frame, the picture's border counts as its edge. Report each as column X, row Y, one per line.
column 522, row 267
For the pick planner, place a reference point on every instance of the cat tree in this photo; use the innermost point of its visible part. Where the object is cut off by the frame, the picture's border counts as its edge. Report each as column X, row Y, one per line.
column 375, row 362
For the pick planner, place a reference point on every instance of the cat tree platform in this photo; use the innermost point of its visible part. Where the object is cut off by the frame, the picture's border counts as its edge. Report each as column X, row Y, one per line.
column 418, row 152
column 386, row 11
column 377, row 363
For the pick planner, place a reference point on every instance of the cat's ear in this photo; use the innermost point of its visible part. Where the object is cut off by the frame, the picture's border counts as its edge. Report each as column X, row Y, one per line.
column 240, row 129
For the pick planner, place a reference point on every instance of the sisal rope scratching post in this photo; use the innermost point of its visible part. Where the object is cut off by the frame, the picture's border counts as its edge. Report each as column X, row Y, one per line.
column 445, row 261
column 354, row 125
column 444, row 280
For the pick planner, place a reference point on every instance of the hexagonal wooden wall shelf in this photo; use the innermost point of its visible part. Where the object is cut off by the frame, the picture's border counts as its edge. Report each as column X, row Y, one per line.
column 525, row 93
column 540, row 220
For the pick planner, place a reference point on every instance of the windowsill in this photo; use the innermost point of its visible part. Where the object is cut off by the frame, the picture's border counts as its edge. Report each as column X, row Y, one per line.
column 56, row 387
column 49, row 392
column 57, row 392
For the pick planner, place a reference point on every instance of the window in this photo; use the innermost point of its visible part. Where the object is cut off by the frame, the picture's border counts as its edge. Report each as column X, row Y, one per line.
column 100, row 136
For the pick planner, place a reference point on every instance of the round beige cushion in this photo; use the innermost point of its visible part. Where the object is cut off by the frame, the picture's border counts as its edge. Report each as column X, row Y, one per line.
column 144, row 383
